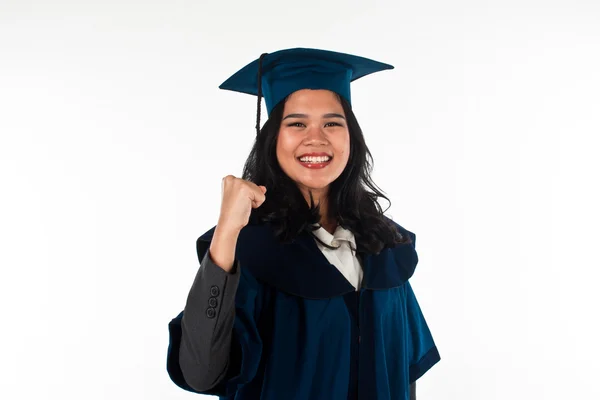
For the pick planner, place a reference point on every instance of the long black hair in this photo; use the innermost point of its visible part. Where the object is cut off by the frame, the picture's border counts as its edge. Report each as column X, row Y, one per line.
column 352, row 197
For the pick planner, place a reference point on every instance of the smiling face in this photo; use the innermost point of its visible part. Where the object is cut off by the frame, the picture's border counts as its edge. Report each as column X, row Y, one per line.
column 313, row 143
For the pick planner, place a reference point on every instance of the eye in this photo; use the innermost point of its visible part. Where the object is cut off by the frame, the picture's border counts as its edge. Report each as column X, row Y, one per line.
column 333, row 124
column 296, row 124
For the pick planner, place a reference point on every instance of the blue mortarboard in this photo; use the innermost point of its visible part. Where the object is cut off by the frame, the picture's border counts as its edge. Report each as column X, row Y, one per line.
column 286, row 71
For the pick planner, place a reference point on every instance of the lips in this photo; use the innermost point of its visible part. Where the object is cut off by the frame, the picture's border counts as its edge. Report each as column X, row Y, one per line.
column 315, row 165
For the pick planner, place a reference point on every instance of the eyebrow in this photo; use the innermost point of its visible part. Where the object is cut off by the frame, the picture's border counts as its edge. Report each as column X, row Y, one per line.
column 330, row 115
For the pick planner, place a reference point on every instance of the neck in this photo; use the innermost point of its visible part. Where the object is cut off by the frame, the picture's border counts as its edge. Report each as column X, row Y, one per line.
column 319, row 197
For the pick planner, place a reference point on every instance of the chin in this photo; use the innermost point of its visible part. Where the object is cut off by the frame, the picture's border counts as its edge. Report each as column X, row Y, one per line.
column 315, row 185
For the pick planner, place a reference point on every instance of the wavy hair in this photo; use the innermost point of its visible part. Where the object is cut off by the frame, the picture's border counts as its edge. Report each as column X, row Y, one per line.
column 352, row 197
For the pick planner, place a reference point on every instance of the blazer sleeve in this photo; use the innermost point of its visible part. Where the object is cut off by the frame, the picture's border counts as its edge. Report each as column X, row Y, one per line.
column 214, row 343
column 423, row 353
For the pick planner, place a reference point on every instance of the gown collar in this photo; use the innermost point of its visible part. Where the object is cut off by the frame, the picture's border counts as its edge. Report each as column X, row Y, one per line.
column 301, row 269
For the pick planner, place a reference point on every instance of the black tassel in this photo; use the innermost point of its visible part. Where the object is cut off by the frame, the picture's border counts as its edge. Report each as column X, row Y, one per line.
column 260, row 60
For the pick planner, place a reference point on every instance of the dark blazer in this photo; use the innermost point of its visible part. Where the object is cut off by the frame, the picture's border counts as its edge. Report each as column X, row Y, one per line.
column 286, row 324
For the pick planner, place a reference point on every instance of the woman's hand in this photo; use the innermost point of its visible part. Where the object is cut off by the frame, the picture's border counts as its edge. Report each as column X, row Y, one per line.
column 238, row 198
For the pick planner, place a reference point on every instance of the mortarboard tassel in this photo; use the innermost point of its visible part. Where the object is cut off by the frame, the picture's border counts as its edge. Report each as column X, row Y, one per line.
column 259, row 78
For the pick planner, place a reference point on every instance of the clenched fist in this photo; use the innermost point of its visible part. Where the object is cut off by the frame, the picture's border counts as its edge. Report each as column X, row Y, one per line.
column 238, row 198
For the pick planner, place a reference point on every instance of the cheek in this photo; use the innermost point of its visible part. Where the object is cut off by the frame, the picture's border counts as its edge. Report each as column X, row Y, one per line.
column 284, row 148
column 344, row 147
column 285, row 144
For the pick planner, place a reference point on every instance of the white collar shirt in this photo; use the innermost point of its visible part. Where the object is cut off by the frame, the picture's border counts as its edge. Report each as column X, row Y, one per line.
column 344, row 258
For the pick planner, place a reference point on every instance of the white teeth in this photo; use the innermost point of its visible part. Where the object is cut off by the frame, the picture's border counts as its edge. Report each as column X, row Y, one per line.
column 315, row 159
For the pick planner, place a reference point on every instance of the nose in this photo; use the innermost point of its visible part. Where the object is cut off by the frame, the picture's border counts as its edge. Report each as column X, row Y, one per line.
column 315, row 135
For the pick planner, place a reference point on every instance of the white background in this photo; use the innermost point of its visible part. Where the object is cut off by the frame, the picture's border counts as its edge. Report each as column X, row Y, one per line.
column 115, row 137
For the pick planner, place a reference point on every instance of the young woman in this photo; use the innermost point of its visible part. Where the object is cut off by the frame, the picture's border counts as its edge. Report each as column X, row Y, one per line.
column 303, row 291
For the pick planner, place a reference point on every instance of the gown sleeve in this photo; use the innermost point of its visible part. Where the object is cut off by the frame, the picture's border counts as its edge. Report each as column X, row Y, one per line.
column 423, row 353
column 214, row 343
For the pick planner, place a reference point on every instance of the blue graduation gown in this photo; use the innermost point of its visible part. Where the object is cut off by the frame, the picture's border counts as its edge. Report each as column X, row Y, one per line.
column 302, row 331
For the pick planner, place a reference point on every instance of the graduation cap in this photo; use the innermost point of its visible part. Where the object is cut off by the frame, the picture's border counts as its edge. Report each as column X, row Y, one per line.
column 279, row 74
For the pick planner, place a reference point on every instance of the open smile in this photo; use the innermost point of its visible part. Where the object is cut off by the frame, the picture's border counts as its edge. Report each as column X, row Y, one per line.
column 313, row 162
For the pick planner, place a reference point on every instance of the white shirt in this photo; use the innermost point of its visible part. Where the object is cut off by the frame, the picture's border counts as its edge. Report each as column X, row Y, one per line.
column 343, row 258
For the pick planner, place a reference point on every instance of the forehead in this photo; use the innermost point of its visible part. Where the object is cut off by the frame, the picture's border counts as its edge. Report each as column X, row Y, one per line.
column 313, row 99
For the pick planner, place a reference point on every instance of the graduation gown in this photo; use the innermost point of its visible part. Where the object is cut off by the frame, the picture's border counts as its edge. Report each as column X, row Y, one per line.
column 300, row 330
